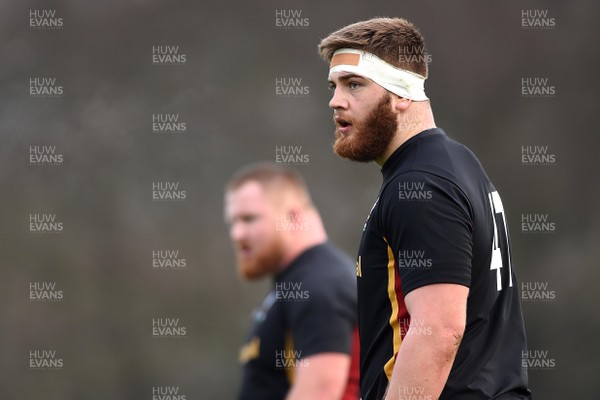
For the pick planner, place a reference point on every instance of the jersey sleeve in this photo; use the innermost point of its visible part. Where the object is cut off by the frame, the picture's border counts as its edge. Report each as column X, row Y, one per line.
column 325, row 320
column 427, row 222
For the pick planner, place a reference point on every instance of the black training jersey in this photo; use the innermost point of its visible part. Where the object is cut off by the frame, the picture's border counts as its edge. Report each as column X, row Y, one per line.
column 438, row 219
column 310, row 309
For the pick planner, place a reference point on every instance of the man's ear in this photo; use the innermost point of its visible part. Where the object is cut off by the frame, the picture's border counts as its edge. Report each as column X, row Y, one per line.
column 401, row 103
column 294, row 214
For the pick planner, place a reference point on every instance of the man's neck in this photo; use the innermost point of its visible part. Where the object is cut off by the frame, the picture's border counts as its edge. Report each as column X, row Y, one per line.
column 297, row 242
column 402, row 135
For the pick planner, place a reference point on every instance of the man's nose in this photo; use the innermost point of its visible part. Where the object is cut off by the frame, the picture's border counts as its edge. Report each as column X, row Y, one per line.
column 236, row 231
column 338, row 100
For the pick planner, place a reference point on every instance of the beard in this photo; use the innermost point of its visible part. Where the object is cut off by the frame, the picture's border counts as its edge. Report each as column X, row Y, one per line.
column 371, row 137
column 266, row 261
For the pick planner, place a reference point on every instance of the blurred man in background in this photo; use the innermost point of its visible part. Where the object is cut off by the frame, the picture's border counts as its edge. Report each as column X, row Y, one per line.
column 439, row 311
column 301, row 342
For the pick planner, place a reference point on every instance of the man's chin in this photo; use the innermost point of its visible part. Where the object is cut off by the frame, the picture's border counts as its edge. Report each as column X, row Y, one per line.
column 259, row 264
column 342, row 148
column 250, row 272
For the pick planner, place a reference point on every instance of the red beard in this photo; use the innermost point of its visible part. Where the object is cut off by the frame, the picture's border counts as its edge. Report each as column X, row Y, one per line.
column 370, row 138
column 266, row 262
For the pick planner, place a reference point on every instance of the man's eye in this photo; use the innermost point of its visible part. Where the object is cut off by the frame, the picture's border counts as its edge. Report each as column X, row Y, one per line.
column 331, row 86
column 248, row 219
column 353, row 85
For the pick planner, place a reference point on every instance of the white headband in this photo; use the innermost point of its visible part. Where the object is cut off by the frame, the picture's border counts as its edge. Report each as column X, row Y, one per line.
column 404, row 83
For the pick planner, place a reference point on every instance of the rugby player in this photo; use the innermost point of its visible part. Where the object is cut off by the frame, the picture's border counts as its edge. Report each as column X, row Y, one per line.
column 439, row 311
column 304, row 332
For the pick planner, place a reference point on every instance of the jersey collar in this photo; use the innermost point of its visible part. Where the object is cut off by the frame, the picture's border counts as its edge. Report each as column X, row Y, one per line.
column 401, row 153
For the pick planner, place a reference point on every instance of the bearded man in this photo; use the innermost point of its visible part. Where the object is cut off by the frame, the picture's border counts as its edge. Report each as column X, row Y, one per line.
column 439, row 311
column 303, row 335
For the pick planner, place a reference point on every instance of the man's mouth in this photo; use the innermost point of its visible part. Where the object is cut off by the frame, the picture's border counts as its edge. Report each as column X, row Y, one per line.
column 344, row 125
column 244, row 250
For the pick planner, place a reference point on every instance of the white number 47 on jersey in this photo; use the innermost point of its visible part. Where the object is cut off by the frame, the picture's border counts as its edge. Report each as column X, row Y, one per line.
column 498, row 242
